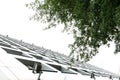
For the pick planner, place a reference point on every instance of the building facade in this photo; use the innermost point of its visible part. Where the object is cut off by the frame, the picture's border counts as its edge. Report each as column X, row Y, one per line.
column 23, row 61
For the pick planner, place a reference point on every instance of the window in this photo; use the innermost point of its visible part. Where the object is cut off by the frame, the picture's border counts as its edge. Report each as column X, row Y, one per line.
column 62, row 69
column 36, row 67
column 4, row 44
column 14, row 52
column 40, row 57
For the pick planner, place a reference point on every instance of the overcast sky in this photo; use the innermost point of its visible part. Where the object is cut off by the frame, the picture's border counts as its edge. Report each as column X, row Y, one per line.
column 14, row 21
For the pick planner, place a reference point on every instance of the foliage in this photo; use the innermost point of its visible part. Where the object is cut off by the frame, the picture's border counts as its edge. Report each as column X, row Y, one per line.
column 93, row 22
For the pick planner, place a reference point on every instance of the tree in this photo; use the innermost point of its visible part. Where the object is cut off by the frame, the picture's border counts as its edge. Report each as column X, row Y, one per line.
column 92, row 22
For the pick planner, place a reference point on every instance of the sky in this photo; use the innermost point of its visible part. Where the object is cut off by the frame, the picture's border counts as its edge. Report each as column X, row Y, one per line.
column 14, row 22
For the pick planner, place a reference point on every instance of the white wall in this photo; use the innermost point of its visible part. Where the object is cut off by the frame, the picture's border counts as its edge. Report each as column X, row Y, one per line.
column 13, row 69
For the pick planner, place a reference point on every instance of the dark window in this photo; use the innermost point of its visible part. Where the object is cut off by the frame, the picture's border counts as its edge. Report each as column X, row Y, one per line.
column 40, row 58
column 24, row 49
column 62, row 69
column 81, row 71
column 36, row 67
column 10, row 51
column 4, row 44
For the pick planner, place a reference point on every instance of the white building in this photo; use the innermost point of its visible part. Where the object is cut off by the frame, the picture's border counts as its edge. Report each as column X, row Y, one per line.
column 22, row 61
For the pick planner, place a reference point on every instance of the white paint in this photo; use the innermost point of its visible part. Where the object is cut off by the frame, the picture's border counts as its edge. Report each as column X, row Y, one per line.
column 13, row 69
